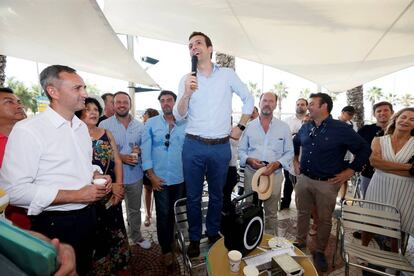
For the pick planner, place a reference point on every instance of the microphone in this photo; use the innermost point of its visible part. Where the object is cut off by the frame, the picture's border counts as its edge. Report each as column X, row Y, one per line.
column 194, row 62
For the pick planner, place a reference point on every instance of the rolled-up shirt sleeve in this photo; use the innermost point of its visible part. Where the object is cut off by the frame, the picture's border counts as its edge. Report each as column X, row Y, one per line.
column 146, row 147
column 241, row 90
column 19, row 171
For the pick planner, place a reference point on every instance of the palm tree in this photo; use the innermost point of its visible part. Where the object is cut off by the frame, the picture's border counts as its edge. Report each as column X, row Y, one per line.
column 3, row 61
column 355, row 98
column 304, row 93
column 391, row 97
column 334, row 95
column 225, row 60
column 374, row 94
column 406, row 100
column 254, row 89
column 281, row 92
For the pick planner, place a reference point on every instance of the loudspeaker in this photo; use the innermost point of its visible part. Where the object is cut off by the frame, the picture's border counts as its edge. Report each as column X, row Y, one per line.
column 243, row 226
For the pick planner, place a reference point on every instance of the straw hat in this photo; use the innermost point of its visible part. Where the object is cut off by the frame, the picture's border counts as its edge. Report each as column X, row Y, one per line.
column 263, row 184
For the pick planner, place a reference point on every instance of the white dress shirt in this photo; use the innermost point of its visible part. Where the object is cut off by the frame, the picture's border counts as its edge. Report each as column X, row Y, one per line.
column 45, row 154
column 294, row 124
column 274, row 145
column 210, row 106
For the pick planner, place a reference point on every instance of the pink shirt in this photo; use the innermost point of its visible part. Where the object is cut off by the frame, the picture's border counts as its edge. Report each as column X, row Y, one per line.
column 3, row 142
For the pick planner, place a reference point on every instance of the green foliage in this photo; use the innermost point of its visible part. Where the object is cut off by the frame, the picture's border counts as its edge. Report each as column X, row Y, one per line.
column 406, row 100
column 304, row 93
column 254, row 89
column 374, row 94
column 27, row 95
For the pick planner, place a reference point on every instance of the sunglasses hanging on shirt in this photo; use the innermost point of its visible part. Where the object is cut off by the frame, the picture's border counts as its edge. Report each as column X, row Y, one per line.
column 167, row 140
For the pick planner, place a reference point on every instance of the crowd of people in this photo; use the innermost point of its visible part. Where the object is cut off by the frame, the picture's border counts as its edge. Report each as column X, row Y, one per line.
column 52, row 160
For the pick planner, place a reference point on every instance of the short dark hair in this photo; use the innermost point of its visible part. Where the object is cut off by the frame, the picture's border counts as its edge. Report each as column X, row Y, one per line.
column 167, row 92
column 274, row 94
column 303, row 99
column 6, row 90
column 89, row 100
column 206, row 38
column 51, row 74
column 123, row 93
column 105, row 96
column 375, row 106
column 324, row 99
column 151, row 112
column 349, row 109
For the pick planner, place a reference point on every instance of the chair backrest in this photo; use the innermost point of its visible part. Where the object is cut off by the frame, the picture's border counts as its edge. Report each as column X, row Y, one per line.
column 180, row 212
column 371, row 217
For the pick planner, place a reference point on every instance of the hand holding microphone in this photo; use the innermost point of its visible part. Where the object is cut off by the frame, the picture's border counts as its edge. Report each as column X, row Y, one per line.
column 193, row 78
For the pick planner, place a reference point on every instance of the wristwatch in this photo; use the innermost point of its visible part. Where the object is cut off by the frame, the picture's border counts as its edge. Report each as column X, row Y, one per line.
column 242, row 127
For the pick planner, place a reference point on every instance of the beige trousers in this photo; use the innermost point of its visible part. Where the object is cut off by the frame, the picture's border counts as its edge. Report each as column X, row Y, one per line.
column 271, row 205
column 311, row 192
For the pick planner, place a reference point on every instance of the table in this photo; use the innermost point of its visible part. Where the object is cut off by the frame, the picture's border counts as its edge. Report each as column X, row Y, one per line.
column 218, row 263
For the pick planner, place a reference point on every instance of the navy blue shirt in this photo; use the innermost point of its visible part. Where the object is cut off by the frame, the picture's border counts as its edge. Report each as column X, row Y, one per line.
column 324, row 148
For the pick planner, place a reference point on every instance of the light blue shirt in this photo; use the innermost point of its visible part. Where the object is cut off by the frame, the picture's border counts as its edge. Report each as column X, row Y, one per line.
column 275, row 145
column 125, row 139
column 165, row 161
column 210, row 106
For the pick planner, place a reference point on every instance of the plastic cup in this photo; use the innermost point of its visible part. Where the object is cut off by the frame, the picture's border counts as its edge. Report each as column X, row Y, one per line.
column 99, row 181
column 234, row 260
column 250, row 270
column 134, row 155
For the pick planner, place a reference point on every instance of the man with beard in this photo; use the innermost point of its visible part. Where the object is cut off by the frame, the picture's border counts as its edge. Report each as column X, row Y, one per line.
column 295, row 123
column 162, row 146
column 47, row 167
column 266, row 142
column 128, row 132
column 322, row 170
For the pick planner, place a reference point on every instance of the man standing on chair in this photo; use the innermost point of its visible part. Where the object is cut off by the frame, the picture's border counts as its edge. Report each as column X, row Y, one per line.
column 205, row 100
column 162, row 146
column 267, row 142
column 322, row 170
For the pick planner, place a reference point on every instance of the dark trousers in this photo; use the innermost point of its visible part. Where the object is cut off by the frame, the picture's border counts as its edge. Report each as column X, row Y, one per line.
column 76, row 228
column 232, row 179
column 201, row 159
column 287, row 191
column 164, row 205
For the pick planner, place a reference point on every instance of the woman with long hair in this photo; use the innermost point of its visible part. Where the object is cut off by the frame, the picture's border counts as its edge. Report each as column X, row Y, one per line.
column 393, row 159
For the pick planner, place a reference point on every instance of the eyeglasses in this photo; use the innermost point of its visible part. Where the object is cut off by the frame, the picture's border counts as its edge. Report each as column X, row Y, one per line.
column 313, row 132
column 167, row 142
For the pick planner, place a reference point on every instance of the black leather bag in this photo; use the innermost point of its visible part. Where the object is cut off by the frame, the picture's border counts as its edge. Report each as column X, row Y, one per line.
column 243, row 225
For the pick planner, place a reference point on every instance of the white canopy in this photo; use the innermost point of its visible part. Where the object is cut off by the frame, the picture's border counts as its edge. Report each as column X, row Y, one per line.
column 73, row 33
column 336, row 44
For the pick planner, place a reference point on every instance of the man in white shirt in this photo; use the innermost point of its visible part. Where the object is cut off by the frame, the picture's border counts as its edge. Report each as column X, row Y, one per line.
column 47, row 167
column 206, row 101
column 294, row 122
column 266, row 142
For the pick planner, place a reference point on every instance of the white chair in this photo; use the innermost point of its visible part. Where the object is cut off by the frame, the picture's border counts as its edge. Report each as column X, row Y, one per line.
column 182, row 238
column 375, row 218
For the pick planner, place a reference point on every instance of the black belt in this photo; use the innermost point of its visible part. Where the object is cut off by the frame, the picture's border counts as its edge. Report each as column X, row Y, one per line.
column 208, row 141
column 317, row 178
column 64, row 213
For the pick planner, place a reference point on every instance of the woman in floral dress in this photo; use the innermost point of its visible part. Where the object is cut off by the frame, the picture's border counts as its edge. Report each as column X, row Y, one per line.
column 111, row 252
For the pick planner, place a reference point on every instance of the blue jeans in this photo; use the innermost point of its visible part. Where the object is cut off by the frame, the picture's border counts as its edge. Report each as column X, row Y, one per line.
column 164, row 205
column 201, row 159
